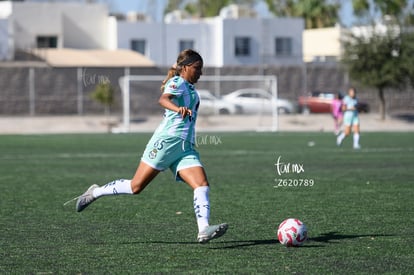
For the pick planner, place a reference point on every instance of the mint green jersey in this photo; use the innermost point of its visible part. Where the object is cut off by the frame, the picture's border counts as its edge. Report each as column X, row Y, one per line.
column 185, row 95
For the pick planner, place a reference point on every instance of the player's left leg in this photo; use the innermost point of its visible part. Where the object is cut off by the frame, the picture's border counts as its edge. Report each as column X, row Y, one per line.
column 356, row 136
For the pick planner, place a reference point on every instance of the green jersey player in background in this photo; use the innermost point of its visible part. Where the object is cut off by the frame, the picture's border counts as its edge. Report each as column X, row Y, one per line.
column 351, row 119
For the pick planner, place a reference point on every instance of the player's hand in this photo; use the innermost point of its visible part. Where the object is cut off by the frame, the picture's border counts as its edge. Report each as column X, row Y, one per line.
column 184, row 111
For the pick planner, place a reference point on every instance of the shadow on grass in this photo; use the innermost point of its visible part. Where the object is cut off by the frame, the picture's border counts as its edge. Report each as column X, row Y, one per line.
column 335, row 236
column 227, row 244
column 324, row 238
column 247, row 243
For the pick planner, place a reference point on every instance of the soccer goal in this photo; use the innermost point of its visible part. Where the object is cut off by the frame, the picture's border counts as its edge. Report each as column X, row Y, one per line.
column 266, row 117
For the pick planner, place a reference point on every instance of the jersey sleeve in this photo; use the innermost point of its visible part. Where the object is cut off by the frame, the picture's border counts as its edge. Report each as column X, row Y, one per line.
column 174, row 87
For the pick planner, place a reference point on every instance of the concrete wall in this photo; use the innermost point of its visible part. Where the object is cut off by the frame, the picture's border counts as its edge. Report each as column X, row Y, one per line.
column 64, row 90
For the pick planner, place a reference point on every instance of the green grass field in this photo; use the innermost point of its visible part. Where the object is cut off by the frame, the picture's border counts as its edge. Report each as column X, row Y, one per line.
column 359, row 211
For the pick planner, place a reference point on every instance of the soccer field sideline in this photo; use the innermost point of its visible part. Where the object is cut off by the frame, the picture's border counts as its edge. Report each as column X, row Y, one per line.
column 295, row 122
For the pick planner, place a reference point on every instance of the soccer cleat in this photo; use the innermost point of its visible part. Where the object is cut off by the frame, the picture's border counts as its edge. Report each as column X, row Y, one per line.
column 212, row 232
column 357, row 147
column 86, row 198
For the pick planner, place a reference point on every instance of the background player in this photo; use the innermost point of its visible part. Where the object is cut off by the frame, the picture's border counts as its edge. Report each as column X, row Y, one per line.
column 351, row 119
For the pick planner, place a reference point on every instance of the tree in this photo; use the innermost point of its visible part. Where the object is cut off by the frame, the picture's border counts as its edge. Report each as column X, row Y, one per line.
column 104, row 94
column 172, row 6
column 374, row 61
column 203, row 8
column 407, row 53
column 317, row 13
column 377, row 59
column 206, row 8
column 369, row 8
column 401, row 11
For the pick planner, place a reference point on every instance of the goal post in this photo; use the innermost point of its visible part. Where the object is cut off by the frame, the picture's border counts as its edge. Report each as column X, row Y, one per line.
column 268, row 82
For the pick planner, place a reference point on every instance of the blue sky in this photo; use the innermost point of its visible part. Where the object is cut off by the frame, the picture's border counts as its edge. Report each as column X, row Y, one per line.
column 156, row 7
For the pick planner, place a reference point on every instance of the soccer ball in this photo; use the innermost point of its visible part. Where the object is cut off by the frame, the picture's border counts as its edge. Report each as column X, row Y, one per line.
column 292, row 232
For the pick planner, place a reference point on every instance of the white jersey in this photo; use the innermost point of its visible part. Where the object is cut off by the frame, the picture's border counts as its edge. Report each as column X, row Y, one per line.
column 185, row 95
column 350, row 103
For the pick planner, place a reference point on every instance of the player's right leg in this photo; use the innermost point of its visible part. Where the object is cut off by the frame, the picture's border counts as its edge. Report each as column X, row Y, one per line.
column 347, row 121
column 343, row 135
column 196, row 177
column 212, row 232
column 143, row 176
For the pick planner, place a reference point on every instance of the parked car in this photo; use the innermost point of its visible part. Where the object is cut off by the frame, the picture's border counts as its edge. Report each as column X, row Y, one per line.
column 212, row 105
column 320, row 102
column 254, row 100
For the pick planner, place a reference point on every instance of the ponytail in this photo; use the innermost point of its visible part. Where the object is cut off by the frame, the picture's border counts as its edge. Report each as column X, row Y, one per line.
column 171, row 73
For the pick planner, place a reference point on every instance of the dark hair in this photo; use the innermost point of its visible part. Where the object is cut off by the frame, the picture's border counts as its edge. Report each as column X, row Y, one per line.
column 185, row 58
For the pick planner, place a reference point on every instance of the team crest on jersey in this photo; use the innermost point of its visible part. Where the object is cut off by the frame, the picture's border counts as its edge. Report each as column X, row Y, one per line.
column 173, row 86
column 153, row 154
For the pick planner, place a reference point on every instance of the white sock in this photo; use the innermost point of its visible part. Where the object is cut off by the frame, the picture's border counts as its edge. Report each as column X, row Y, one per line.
column 115, row 187
column 356, row 139
column 202, row 207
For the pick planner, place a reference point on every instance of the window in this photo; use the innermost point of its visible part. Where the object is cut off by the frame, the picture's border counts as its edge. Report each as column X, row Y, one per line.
column 248, row 95
column 325, row 58
column 283, row 46
column 186, row 44
column 242, row 46
column 46, row 42
column 139, row 45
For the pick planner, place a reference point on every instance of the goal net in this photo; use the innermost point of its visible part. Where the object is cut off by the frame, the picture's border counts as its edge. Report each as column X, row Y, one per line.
column 251, row 98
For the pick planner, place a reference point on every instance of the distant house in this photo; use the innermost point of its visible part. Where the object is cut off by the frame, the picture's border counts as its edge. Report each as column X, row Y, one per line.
column 221, row 41
column 33, row 25
column 326, row 44
column 322, row 45
column 63, row 34
column 236, row 38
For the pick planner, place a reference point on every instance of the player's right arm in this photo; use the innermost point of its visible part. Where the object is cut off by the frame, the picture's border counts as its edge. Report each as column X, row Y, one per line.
column 166, row 102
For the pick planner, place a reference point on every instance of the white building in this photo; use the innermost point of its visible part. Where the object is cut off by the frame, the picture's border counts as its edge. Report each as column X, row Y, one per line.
column 323, row 45
column 222, row 41
column 29, row 25
column 326, row 44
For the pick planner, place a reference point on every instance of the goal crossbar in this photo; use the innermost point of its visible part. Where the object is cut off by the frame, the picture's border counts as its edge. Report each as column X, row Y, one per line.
column 124, row 83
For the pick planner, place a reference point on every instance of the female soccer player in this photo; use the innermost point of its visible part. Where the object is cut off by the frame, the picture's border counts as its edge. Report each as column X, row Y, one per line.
column 337, row 113
column 351, row 118
column 171, row 146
